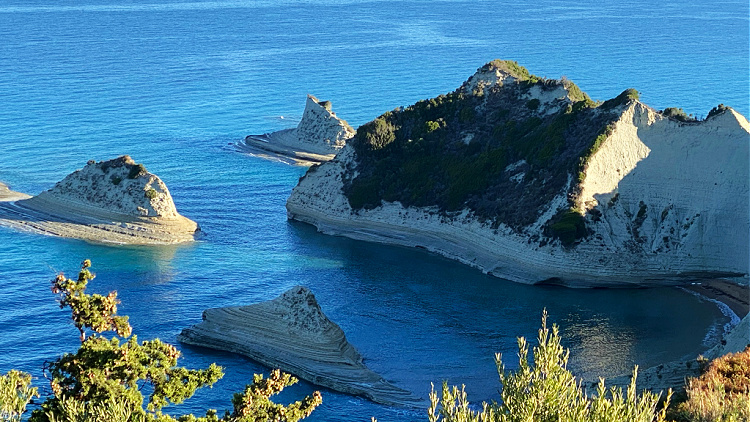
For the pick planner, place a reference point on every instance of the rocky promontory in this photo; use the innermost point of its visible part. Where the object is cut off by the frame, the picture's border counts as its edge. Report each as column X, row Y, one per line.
column 292, row 333
column 528, row 179
column 115, row 201
column 317, row 138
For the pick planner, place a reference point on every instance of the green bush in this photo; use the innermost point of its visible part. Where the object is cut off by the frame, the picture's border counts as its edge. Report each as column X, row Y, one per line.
column 719, row 109
column 626, row 96
column 568, row 226
column 137, row 170
column 533, row 104
column 545, row 391
column 105, row 379
column 151, row 193
column 678, row 114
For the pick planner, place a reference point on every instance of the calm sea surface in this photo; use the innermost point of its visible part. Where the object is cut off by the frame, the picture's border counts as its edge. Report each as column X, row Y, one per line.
column 175, row 83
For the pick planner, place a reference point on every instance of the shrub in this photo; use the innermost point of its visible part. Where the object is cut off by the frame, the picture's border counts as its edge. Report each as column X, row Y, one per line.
column 431, row 126
column 116, row 180
column 721, row 393
column 546, row 391
column 533, row 104
column 15, row 393
column 105, row 379
column 137, row 170
column 377, row 134
column 678, row 114
column 151, row 193
column 719, row 109
column 568, row 226
column 626, row 96
column 326, row 105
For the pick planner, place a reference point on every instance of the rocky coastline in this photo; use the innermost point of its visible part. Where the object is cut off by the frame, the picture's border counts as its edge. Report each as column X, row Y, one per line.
column 650, row 218
column 316, row 139
column 115, row 201
column 293, row 334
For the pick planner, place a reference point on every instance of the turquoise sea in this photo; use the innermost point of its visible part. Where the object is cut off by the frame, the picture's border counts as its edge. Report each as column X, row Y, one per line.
column 175, row 83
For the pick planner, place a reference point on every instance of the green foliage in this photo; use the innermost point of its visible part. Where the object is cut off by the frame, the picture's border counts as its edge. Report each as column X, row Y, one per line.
column 430, row 126
column 545, row 391
column 452, row 151
column 105, row 379
column 116, row 180
column 626, row 96
column 533, row 104
column 511, row 67
column 678, row 114
column 136, row 170
column 15, row 393
column 378, row 133
column 151, row 193
column 568, row 226
column 326, row 105
column 719, row 109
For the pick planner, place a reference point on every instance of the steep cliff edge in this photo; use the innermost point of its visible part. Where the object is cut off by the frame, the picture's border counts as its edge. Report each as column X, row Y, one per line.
column 528, row 179
column 293, row 334
column 317, row 138
column 115, row 201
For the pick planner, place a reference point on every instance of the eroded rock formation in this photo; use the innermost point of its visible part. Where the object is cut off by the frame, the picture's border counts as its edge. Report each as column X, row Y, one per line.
column 317, row 138
column 115, row 201
column 292, row 333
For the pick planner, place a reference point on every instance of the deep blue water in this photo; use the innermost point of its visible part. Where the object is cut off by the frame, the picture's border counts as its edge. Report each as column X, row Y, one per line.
column 174, row 83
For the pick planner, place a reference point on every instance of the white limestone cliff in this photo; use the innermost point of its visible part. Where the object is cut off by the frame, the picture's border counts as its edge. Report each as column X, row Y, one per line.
column 672, row 198
column 317, row 138
column 115, row 201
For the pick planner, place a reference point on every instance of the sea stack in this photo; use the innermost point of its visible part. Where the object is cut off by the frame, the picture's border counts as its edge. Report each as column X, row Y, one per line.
column 292, row 333
column 115, row 201
column 316, row 139
column 528, row 179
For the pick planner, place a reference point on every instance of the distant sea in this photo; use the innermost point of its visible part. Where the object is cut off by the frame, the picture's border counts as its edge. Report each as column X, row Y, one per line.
column 175, row 83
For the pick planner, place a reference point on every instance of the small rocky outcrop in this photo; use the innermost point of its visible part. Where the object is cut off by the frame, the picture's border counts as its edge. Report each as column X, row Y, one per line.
column 292, row 333
column 115, row 201
column 317, row 138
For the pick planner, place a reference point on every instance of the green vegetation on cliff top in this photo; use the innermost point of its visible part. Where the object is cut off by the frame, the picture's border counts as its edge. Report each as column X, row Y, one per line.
column 502, row 151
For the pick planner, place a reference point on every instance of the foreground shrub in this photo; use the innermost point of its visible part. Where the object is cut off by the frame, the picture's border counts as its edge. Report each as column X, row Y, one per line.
column 105, row 379
column 721, row 393
column 547, row 391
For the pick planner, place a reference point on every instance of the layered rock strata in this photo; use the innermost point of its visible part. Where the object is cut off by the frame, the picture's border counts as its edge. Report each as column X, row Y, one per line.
column 663, row 201
column 292, row 333
column 115, row 201
column 317, row 138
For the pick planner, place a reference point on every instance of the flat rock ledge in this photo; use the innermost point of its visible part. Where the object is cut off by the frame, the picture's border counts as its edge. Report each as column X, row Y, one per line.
column 115, row 201
column 292, row 333
column 316, row 139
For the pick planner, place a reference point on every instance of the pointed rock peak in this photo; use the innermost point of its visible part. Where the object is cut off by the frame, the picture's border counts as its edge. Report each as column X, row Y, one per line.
column 320, row 126
column 312, row 101
column 496, row 72
column 299, row 308
column 725, row 115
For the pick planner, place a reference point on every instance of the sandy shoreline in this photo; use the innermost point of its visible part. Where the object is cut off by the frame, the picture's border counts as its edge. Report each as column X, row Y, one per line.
column 734, row 295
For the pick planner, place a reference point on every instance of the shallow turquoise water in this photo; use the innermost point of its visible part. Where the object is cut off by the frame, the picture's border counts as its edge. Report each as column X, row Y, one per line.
column 174, row 83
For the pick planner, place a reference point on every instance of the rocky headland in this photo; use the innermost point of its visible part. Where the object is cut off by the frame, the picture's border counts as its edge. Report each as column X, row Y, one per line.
column 528, row 179
column 115, row 201
column 316, row 139
column 292, row 333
